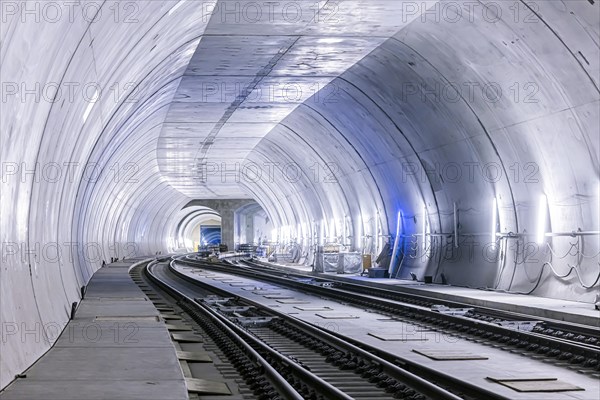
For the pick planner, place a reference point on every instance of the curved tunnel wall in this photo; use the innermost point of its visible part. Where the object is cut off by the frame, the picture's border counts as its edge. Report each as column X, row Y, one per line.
column 495, row 110
column 96, row 192
column 393, row 138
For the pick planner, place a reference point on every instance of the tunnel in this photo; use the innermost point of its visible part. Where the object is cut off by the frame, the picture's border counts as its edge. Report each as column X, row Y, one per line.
column 460, row 137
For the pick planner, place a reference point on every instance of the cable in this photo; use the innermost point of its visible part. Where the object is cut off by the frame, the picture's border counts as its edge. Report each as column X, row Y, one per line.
column 568, row 253
column 514, row 271
column 579, row 277
column 577, row 245
column 556, row 274
column 501, row 253
column 585, row 256
column 572, row 267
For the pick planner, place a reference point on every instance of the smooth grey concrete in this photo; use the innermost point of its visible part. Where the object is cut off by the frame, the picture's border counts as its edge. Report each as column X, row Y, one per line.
column 252, row 225
column 116, row 347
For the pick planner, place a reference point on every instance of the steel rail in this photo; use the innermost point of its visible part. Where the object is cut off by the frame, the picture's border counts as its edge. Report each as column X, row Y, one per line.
column 568, row 349
column 278, row 381
column 396, row 371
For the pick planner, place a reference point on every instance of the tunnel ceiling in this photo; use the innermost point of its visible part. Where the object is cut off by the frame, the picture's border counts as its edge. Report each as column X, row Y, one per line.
column 251, row 69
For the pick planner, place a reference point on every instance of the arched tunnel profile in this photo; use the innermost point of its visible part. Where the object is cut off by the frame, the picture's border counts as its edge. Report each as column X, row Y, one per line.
column 455, row 143
column 188, row 235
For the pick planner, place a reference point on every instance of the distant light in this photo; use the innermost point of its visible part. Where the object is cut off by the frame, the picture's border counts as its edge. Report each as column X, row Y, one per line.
column 176, row 6
column 424, row 227
column 359, row 232
column 90, row 105
column 322, row 232
column 377, row 235
column 455, row 212
column 332, row 229
column 541, row 222
column 344, row 228
column 494, row 219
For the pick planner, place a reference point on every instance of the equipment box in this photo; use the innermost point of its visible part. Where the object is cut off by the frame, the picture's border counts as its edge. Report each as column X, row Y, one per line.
column 377, row 272
column 349, row 263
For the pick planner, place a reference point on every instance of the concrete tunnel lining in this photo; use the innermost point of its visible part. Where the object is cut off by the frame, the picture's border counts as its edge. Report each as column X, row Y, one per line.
column 386, row 133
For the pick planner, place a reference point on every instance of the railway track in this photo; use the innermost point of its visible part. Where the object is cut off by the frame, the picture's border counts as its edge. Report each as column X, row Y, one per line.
column 337, row 369
column 569, row 331
column 303, row 361
column 567, row 345
column 236, row 362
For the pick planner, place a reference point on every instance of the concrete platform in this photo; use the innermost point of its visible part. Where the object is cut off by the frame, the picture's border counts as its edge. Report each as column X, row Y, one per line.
column 116, row 347
column 561, row 310
column 406, row 340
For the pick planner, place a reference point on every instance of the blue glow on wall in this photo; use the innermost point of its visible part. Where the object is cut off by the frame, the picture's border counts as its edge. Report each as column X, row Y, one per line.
column 210, row 235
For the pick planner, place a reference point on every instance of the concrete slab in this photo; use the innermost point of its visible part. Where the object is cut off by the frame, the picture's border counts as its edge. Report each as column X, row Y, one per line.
column 117, row 347
column 110, row 335
column 562, row 310
column 497, row 361
column 205, row 387
column 117, row 307
column 27, row 389
column 106, row 363
column 193, row 356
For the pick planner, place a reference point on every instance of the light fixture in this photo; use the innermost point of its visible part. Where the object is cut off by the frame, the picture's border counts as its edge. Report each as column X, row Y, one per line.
column 274, row 235
column 90, row 105
column 396, row 242
column 359, row 232
column 332, row 230
column 322, row 232
column 494, row 220
column 541, row 222
column 377, row 234
column 285, row 233
column 424, row 228
column 455, row 211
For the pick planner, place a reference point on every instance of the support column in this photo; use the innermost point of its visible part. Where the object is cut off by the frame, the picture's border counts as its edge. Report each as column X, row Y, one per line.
column 227, row 227
column 249, row 228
